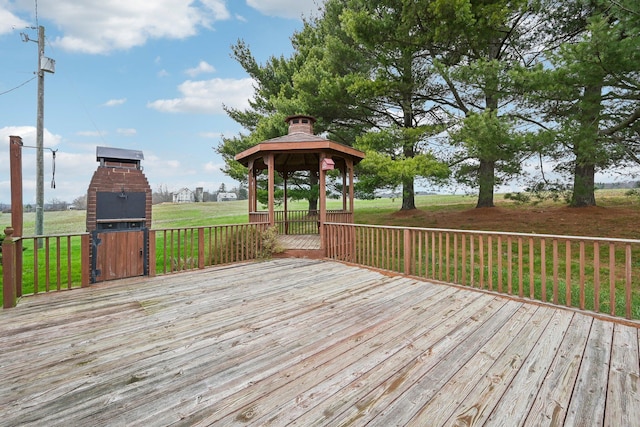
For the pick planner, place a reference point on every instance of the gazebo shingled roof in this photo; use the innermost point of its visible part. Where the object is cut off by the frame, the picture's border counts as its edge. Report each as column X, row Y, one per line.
column 298, row 143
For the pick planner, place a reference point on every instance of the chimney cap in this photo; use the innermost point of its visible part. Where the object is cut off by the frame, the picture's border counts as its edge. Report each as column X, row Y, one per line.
column 300, row 124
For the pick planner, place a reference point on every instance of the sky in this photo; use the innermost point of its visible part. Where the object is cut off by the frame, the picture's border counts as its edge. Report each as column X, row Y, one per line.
column 142, row 75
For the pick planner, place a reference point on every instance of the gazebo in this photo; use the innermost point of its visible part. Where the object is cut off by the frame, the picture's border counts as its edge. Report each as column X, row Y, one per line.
column 300, row 150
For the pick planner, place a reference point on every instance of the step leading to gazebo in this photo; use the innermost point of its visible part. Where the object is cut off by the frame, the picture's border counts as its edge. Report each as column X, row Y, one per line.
column 301, row 246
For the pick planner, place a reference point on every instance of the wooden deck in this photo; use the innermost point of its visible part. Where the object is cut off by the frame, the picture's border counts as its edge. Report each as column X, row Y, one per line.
column 307, row 342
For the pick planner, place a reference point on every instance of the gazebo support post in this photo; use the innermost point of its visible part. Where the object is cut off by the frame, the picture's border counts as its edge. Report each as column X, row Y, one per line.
column 286, row 216
column 255, row 190
column 323, row 203
column 344, row 188
column 272, row 184
column 349, row 163
column 250, row 189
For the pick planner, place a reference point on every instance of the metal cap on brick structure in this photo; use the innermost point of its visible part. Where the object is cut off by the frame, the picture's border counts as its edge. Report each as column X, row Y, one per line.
column 121, row 155
column 300, row 123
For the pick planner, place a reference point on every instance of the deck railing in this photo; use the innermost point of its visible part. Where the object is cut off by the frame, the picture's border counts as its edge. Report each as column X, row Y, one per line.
column 38, row 264
column 299, row 222
column 180, row 249
column 598, row 274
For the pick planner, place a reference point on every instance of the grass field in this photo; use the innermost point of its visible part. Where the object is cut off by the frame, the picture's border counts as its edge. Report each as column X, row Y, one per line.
column 378, row 211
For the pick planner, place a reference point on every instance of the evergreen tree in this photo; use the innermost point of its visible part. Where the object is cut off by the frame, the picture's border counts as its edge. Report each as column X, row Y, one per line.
column 588, row 93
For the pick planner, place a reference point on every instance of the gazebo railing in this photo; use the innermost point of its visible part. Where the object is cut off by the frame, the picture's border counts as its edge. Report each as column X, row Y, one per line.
column 258, row 217
column 298, row 222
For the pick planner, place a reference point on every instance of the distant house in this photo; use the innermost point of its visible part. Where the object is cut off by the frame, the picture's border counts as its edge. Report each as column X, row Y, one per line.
column 184, row 195
column 227, row 197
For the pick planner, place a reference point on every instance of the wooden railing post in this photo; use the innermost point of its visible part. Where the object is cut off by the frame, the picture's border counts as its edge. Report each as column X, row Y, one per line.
column 201, row 248
column 17, row 258
column 17, row 214
column 8, row 270
column 408, row 255
column 85, row 260
column 152, row 253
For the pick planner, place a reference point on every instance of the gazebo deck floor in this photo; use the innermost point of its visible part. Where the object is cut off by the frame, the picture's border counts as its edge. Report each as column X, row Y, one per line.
column 309, row 342
column 299, row 241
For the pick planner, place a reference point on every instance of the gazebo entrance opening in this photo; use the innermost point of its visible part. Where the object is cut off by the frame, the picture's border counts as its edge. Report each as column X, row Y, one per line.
column 300, row 150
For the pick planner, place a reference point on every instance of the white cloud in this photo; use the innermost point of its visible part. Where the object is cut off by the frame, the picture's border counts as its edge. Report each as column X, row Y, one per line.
column 72, row 175
column 208, row 96
column 201, row 68
column 115, row 102
column 10, row 22
column 126, row 132
column 173, row 171
column 163, row 73
column 214, row 167
column 292, row 9
column 28, row 135
column 98, row 27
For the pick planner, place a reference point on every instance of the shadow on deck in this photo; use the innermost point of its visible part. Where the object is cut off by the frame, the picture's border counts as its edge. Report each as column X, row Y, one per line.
column 309, row 342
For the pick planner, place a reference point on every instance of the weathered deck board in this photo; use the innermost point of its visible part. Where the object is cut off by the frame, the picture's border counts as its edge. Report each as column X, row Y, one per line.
column 550, row 406
column 624, row 378
column 307, row 342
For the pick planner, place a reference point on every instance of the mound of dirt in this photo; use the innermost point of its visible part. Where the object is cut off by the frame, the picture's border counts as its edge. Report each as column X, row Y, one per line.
column 620, row 222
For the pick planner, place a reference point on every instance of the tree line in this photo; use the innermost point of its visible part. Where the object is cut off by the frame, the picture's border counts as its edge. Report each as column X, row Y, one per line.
column 463, row 91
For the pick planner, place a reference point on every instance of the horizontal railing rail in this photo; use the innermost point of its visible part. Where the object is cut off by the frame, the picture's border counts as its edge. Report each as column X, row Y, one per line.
column 187, row 248
column 598, row 274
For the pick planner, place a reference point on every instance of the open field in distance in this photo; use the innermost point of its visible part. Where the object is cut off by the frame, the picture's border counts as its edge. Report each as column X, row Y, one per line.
column 616, row 216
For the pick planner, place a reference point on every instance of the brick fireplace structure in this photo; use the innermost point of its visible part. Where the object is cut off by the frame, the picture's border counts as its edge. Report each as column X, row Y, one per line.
column 119, row 193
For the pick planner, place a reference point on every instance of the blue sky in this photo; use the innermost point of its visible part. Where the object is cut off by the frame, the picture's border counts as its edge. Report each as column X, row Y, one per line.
column 143, row 75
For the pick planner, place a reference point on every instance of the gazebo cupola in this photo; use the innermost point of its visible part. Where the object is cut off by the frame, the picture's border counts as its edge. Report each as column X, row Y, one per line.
column 300, row 124
column 300, row 150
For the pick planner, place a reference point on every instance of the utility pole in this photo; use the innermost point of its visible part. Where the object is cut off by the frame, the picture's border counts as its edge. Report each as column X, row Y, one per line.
column 40, row 139
column 44, row 65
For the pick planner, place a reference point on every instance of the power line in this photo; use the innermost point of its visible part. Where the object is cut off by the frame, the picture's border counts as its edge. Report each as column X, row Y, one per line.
column 17, row 87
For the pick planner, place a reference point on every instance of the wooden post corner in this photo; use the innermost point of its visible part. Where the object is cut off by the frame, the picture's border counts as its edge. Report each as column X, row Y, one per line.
column 8, row 270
